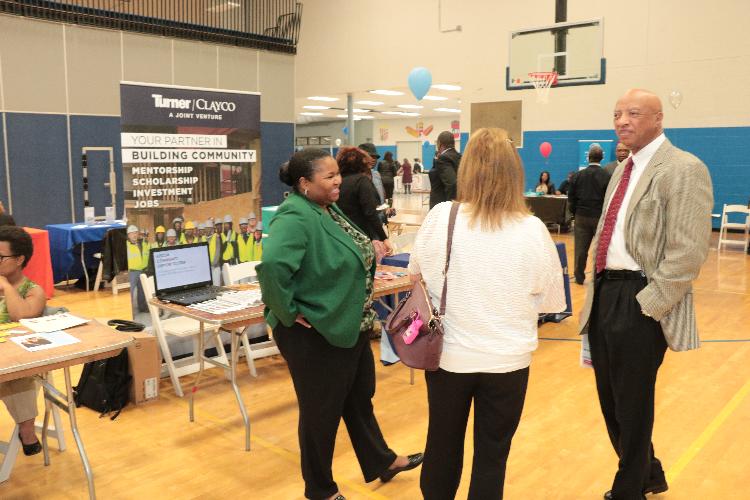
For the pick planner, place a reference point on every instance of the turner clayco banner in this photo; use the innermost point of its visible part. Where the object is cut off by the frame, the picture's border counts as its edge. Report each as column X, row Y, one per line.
column 191, row 159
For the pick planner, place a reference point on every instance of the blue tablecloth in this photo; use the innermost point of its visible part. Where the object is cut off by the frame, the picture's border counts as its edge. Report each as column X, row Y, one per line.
column 64, row 238
column 398, row 260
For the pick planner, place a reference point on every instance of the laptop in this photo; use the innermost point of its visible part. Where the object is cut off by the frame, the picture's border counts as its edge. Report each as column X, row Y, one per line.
column 182, row 274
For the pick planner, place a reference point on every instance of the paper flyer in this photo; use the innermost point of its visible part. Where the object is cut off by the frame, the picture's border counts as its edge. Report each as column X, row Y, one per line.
column 43, row 341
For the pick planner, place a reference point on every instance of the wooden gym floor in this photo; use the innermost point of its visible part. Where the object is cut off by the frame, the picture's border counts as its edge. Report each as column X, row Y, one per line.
column 560, row 451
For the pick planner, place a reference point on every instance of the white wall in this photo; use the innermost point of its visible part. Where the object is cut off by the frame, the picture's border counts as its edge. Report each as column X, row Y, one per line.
column 698, row 47
column 397, row 129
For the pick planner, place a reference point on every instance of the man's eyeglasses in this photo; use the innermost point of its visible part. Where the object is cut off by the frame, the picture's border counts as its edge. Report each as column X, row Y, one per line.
column 3, row 257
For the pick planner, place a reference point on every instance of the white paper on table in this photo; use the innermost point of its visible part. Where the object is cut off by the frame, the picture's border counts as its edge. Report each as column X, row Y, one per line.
column 109, row 214
column 585, row 352
column 53, row 322
column 43, row 341
column 88, row 215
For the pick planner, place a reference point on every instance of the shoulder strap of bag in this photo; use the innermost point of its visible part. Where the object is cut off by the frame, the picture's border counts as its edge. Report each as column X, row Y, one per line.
column 451, row 226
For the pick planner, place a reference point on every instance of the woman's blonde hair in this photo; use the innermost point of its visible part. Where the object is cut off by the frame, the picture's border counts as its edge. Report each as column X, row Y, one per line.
column 491, row 179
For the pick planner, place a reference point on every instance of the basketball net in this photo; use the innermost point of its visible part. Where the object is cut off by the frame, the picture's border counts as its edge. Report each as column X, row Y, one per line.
column 542, row 82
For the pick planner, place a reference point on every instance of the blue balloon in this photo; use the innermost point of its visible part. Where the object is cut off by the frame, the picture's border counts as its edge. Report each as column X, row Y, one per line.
column 345, row 130
column 420, row 81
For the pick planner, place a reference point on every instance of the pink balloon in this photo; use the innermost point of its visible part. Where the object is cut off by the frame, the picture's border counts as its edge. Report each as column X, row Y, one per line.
column 545, row 149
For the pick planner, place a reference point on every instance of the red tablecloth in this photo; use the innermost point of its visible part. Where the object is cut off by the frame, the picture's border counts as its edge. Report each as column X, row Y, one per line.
column 39, row 268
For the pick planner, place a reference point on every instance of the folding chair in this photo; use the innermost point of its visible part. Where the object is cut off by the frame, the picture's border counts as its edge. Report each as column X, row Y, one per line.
column 182, row 327
column 743, row 226
column 236, row 274
column 10, row 449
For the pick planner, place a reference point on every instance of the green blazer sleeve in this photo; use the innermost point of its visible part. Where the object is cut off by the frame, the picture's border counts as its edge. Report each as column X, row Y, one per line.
column 282, row 258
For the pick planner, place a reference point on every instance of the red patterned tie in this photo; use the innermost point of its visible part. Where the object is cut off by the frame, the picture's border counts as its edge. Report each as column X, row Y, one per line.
column 611, row 218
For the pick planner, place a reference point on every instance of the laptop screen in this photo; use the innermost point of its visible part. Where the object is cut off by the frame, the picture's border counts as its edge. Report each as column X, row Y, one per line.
column 181, row 267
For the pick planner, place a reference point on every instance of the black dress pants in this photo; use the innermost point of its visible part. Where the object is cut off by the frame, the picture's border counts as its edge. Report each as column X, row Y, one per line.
column 498, row 402
column 331, row 383
column 627, row 349
column 388, row 185
column 585, row 229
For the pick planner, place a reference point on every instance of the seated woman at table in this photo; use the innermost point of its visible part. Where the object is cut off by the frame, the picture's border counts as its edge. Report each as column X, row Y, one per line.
column 317, row 278
column 358, row 198
column 504, row 271
column 19, row 298
column 545, row 185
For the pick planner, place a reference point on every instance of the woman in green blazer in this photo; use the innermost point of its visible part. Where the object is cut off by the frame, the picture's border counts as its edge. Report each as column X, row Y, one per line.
column 317, row 276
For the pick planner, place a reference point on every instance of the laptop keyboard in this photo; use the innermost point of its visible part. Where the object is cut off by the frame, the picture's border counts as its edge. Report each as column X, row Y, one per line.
column 194, row 296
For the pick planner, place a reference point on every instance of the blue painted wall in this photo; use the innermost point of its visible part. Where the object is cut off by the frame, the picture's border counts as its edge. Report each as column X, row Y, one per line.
column 725, row 150
column 277, row 145
column 38, row 168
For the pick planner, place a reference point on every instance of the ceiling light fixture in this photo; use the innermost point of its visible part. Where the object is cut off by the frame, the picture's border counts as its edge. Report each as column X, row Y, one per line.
column 400, row 113
column 386, row 92
column 448, row 110
column 446, row 86
column 308, row 113
column 434, row 98
column 370, row 103
column 323, row 98
column 410, row 106
column 316, row 107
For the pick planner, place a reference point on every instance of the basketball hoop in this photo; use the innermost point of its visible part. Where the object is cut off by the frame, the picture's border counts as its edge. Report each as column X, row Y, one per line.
column 542, row 82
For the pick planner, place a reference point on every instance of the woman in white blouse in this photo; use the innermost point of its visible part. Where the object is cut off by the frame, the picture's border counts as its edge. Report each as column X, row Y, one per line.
column 504, row 271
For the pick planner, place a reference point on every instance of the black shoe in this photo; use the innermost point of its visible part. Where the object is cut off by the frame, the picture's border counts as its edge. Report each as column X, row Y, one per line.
column 656, row 487
column 579, row 282
column 30, row 449
column 608, row 495
column 414, row 461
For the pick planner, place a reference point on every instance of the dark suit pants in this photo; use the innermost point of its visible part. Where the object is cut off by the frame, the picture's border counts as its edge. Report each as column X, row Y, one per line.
column 388, row 185
column 331, row 383
column 627, row 349
column 585, row 228
column 498, row 402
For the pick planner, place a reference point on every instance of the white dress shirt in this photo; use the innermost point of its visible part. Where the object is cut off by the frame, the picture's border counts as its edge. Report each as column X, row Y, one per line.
column 618, row 256
column 498, row 283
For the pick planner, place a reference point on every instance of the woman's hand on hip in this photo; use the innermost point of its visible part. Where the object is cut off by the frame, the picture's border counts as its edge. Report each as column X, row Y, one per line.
column 302, row 321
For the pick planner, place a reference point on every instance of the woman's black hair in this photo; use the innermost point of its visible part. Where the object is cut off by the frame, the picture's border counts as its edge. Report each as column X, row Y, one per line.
column 549, row 179
column 301, row 164
column 19, row 241
column 388, row 156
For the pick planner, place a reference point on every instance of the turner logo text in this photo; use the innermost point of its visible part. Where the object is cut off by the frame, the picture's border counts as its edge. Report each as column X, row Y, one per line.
column 192, row 104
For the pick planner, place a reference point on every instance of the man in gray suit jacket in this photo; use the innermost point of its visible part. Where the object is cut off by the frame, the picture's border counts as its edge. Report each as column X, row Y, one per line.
column 650, row 244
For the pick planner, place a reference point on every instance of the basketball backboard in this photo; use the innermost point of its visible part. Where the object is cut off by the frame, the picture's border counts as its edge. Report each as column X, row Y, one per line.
column 574, row 50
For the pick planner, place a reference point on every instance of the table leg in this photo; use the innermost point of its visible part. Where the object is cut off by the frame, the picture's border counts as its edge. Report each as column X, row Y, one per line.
column 233, row 371
column 83, row 264
column 45, row 427
column 74, row 427
column 201, row 364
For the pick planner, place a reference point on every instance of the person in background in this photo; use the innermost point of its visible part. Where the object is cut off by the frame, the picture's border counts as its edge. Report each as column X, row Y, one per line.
column 565, row 185
column 188, row 236
column 444, row 170
column 358, row 198
column 585, row 199
column 202, row 232
column 244, row 242
column 19, row 298
column 257, row 245
column 418, row 166
column 545, row 185
column 215, row 250
column 138, row 254
column 172, row 240
column 387, row 170
column 229, row 242
column 369, row 148
column 159, row 237
column 507, row 254
column 621, row 154
column 651, row 243
column 144, row 235
column 406, row 173
column 177, row 226
column 252, row 221
column 321, row 325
